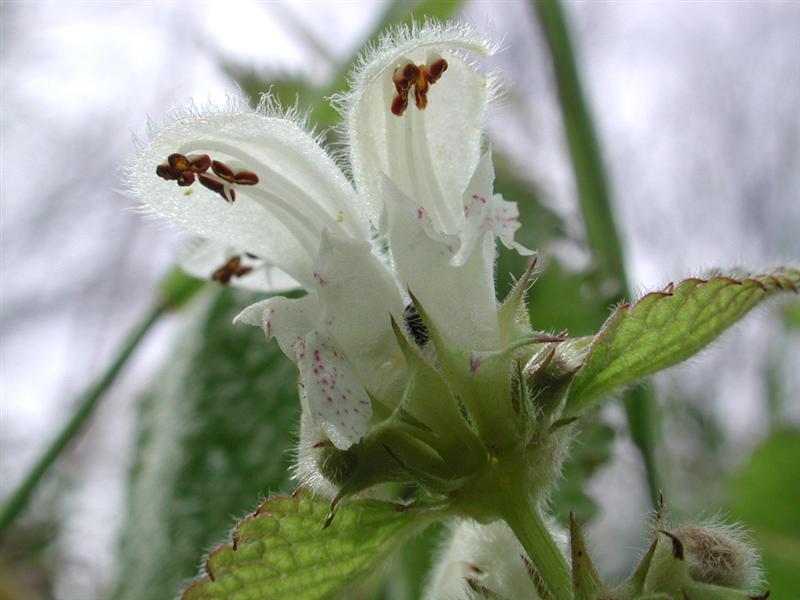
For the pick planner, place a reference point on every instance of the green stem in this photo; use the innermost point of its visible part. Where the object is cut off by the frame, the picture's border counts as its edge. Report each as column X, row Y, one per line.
column 525, row 520
column 595, row 201
column 85, row 408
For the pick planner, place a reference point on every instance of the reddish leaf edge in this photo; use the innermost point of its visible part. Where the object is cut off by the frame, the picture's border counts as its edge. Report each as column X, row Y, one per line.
column 785, row 279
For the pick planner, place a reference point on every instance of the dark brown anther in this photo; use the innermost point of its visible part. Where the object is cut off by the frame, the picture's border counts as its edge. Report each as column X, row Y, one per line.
column 178, row 163
column 164, row 172
column 436, row 69
column 420, row 77
column 246, row 178
column 184, row 170
column 214, row 185
column 399, row 105
column 200, row 163
column 232, row 268
column 225, row 172
column 185, row 178
column 222, row 170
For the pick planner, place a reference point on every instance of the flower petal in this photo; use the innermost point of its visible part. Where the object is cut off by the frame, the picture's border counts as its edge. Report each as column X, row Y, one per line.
column 285, row 319
column 336, row 400
column 431, row 153
column 205, row 258
column 486, row 212
column 461, row 300
column 289, row 188
column 358, row 294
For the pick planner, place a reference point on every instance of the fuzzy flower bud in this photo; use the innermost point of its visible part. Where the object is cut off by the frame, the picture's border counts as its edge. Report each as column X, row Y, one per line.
column 721, row 554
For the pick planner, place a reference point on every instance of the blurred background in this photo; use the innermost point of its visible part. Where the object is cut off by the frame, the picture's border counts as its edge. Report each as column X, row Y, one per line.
column 695, row 107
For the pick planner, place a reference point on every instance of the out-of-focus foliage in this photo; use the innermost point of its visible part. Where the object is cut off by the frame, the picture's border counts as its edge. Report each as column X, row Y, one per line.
column 216, row 433
column 289, row 90
column 791, row 314
column 766, row 496
column 591, row 450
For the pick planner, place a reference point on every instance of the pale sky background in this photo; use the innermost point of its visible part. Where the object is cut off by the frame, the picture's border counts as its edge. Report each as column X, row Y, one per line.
column 697, row 110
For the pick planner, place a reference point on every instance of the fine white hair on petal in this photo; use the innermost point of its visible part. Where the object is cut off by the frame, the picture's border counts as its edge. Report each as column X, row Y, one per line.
column 399, row 41
column 306, row 465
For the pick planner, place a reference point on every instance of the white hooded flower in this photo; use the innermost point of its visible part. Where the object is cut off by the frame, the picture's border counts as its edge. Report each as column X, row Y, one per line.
column 417, row 213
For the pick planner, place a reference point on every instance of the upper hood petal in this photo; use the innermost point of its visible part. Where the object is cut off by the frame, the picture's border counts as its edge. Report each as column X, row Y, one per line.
column 429, row 153
column 299, row 190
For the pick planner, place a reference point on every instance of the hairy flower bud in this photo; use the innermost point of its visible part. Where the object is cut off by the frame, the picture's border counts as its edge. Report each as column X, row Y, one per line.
column 721, row 554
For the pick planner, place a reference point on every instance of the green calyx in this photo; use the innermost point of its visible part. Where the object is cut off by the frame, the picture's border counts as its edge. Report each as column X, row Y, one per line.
column 706, row 562
column 469, row 424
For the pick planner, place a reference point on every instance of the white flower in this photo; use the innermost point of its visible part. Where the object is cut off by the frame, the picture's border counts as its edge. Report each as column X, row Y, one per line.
column 483, row 557
column 417, row 213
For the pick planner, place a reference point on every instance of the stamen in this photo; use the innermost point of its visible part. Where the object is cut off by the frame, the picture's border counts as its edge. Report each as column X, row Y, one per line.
column 182, row 169
column 420, row 77
column 232, row 268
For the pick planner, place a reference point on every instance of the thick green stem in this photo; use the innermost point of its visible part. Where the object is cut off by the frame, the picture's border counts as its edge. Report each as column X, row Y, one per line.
column 595, row 201
column 525, row 520
column 84, row 410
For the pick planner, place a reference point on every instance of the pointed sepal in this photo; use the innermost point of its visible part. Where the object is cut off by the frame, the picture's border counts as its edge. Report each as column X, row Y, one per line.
column 586, row 581
column 513, row 313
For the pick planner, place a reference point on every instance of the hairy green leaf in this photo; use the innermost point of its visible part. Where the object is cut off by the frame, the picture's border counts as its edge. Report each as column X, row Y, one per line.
column 283, row 552
column 664, row 328
column 215, row 434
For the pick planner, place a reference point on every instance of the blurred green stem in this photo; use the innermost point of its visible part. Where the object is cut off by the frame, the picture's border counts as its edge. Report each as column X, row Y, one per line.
column 525, row 520
column 598, row 216
column 176, row 290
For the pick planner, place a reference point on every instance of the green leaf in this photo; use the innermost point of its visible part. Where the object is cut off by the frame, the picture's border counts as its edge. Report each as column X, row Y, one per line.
column 283, row 552
column 215, row 434
column 664, row 328
column 765, row 496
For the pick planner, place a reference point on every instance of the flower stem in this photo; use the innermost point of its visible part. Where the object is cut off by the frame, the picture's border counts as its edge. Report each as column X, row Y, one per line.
column 525, row 520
